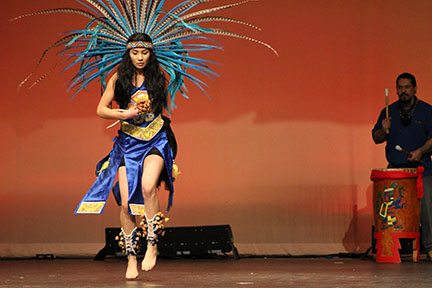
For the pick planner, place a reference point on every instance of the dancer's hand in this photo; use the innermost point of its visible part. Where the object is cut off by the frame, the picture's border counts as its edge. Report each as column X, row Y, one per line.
column 132, row 112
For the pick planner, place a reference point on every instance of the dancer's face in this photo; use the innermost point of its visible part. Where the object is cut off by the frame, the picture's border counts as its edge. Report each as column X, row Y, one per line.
column 139, row 57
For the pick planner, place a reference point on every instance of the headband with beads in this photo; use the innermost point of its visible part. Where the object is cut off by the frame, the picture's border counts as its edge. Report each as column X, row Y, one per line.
column 139, row 44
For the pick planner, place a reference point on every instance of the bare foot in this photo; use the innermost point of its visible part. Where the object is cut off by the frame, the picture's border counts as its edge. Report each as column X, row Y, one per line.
column 150, row 258
column 132, row 268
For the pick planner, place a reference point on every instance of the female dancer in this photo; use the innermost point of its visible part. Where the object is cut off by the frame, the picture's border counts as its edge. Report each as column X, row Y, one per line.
column 141, row 152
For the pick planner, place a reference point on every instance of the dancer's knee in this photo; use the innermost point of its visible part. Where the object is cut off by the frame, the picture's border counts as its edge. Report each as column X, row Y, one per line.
column 148, row 190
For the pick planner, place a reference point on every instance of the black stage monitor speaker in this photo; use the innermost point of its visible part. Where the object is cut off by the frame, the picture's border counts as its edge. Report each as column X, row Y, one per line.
column 197, row 241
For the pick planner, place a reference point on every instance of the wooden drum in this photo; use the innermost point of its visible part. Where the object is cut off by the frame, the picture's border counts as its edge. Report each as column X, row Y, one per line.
column 396, row 203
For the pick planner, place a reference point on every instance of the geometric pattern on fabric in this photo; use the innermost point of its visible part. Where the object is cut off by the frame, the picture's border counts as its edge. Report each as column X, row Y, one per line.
column 139, row 44
column 90, row 208
column 136, row 209
column 139, row 95
column 143, row 133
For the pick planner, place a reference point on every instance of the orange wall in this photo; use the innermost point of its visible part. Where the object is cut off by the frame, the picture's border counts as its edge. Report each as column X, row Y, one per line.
column 281, row 148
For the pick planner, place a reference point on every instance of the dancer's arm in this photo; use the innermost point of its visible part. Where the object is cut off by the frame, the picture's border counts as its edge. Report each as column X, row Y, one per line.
column 104, row 110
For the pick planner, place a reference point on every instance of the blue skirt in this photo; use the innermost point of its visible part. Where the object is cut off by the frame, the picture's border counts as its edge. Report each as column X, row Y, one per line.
column 133, row 151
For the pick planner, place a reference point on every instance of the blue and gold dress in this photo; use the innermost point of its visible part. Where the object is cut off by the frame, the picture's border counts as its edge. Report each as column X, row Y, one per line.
column 136, row 138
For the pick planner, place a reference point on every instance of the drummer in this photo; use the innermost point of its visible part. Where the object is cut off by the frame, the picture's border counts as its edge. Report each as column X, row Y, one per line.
column 409, row 125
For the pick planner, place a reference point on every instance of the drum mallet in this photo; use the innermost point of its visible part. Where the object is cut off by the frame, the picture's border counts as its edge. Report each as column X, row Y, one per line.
column 399, row 148
column 387, row 106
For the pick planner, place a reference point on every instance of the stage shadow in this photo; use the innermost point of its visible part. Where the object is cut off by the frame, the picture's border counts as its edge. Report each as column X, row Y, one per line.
column 358, row 235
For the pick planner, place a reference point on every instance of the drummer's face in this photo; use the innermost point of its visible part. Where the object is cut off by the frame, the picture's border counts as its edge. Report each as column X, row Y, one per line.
column 405, row 90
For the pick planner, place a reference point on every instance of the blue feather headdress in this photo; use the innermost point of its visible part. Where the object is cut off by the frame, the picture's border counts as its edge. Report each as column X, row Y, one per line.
column 98, row 48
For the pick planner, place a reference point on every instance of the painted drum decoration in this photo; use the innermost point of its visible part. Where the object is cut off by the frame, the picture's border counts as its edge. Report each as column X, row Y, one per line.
column 396, row 203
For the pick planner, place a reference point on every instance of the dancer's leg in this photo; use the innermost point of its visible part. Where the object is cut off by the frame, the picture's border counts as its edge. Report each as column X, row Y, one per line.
column 127, row 221
column 153, row 165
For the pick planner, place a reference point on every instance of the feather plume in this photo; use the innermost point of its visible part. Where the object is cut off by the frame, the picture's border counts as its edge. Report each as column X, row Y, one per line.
column 98, row 47
column 216, row 31
column 55, row 44
column 56, row 10
column 172, row 18
column 74, row 11
column 221, row 19
column 106, row 13
column 158, row 5
column 211, row 10
column 142, row 14
column 133, row 11
column 151, row 14
column 43, row 77
column 125, row 11
column 126, row 26
column 195, row 21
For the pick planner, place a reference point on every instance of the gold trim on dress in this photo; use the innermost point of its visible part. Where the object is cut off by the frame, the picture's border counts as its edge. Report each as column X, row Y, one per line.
column 137, row 209
column 143, row 133
column 90, row 208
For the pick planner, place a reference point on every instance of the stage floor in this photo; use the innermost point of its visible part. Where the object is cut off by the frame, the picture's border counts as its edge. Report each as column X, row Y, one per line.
column 250, row 272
